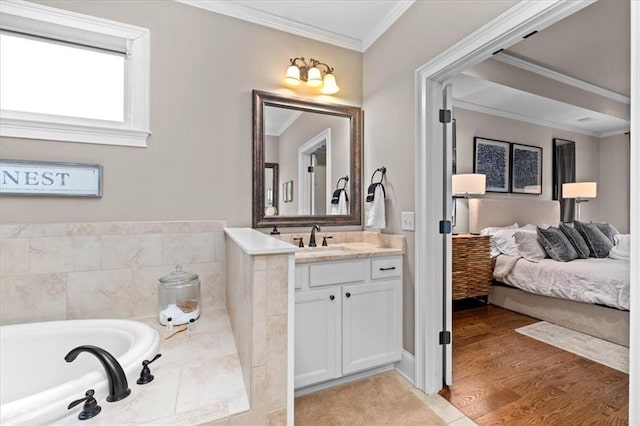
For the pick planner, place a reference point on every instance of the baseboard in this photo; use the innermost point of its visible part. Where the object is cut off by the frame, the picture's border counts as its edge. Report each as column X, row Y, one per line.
column 407, row 367
column 343, row 380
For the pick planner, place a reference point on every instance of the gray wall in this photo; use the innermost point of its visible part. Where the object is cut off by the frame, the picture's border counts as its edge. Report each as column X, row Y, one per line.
column 613, row 181
column 425, row 30
column 198, row 161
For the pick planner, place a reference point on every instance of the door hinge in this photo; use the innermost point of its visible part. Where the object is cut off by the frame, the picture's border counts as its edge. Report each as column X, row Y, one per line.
column 445, row 116
column 310, row 169
column 445, row 226
column 445, row 337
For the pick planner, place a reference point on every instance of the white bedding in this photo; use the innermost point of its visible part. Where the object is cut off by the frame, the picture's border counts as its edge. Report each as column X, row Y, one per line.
column 599, row 281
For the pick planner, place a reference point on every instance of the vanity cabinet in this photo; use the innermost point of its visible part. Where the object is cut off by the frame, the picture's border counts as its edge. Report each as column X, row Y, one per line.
column 348, row 317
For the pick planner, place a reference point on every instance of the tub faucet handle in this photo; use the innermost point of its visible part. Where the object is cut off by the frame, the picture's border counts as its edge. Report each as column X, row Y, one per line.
column 145, row 374
column 89, row 409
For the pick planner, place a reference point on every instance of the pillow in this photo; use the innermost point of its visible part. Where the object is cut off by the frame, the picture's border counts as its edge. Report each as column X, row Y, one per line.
column 493, row 229
column 599, row 244
column 622, row 249
column 556, row 244
column 609, row 230
column 503, row 242
column 528, row 245
column 576, row 240
column 494, row 247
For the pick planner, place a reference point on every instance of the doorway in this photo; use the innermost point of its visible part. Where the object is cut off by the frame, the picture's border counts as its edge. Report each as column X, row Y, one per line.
column 432, row 247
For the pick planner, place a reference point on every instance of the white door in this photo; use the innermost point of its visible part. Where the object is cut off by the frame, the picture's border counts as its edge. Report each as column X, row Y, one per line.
column 317, row 336
column 371, row 325
column 447, row 134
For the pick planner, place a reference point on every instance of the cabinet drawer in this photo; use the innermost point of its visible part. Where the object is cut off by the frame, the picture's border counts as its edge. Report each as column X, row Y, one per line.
column 386, row 267
column 328, row 273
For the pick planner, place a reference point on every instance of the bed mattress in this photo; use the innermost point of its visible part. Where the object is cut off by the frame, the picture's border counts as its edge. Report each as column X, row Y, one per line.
column 599, row 281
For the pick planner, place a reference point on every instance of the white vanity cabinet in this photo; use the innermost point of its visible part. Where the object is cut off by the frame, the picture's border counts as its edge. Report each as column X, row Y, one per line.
column 348, row 317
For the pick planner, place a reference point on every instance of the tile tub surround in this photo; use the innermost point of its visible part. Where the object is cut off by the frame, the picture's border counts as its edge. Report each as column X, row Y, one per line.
column 197, row 380
column 64, row 271
column 258, row 304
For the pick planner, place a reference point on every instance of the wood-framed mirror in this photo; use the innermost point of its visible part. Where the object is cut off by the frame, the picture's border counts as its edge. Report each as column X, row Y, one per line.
column 315, row 145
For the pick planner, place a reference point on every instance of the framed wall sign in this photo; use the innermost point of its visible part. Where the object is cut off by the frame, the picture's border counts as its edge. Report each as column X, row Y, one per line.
column 491, row 158
column 44, row 178
column 526, row 172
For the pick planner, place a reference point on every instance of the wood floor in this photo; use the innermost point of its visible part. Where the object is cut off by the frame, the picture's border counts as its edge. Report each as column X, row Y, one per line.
column 501, row 377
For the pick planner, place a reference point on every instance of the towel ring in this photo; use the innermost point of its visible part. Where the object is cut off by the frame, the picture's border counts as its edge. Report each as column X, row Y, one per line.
column 383, row 172
column 346, row 181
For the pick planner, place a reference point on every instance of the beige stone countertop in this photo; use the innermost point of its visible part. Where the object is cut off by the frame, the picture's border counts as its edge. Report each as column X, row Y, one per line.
column 198, row 379
column 344, row 251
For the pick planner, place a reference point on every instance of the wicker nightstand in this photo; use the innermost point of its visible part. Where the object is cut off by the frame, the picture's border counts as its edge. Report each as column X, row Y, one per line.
column 471, row 266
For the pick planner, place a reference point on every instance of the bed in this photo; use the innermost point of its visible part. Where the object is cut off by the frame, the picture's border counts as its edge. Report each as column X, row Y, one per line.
column 557, row 292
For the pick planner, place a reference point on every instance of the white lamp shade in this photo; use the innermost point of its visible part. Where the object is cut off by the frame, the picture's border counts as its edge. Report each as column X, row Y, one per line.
column 293, row 76
column 579, row 190
column 314, row 78
column 472, row 184
column 330, row 86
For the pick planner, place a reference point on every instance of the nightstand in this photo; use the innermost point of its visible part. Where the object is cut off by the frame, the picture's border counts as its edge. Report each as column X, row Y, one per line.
column 472, row 272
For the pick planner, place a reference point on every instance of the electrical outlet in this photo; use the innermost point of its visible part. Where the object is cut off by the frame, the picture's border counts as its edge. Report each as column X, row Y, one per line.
column 408, row 221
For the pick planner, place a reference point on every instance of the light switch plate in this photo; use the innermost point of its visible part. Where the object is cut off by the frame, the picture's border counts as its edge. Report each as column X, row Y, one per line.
column 408, row 221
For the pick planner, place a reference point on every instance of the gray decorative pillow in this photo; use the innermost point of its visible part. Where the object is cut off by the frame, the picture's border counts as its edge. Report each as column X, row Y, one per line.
column 599, row 244
column 576, row 240
column 609, row 230
column 556, row 244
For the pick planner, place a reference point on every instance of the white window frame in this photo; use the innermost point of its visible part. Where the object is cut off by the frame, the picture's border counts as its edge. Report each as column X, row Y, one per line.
column 134, row 130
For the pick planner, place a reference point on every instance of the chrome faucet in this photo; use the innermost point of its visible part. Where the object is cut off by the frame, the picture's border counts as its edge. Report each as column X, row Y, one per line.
column 312, row 238
column 118, row 386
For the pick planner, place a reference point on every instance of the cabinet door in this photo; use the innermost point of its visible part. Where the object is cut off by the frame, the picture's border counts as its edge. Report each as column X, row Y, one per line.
column 371, row 325
column 317, row 334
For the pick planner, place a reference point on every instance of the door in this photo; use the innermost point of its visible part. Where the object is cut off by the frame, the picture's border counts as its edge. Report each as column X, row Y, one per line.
column 371, row 325
column 317, row 336
column 449, row 159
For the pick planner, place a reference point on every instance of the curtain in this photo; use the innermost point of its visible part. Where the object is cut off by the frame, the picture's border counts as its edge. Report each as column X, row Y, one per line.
column 564, row 160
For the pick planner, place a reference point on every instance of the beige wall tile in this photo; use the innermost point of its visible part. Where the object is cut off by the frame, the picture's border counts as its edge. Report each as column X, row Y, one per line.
column 188, row 248
column 113, row 228
column 125, row 251
column 277, row 417
column 64, row 254
column 177, row 227
column 259, row 354
column 212, row 282
column 99, row 294
column 33, row 298
column 14, row 256
column 277, row 285
column 144, row 289
column 32, row 230
column 277, row 362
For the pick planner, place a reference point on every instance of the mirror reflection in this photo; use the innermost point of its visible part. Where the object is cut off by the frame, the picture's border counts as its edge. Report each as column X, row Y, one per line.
column 315, row 148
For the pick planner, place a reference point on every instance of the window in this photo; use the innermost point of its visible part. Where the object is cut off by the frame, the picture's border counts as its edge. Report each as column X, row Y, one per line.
column 71, row 77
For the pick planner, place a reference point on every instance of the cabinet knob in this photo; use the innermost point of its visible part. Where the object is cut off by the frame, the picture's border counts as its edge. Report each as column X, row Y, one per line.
column 332, row 297
column 348, row 294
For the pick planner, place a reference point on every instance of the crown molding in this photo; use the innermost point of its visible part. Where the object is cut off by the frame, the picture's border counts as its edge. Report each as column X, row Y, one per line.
column 562, row 78
column 248, row 14
column 386, row 23
column 616, row 132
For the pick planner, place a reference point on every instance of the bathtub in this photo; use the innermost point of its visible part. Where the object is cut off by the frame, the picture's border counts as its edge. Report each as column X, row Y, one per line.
column 37, row 384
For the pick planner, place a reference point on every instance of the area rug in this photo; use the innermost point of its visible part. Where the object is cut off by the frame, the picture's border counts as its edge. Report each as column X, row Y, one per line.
column 385, row 399
column 592, row 348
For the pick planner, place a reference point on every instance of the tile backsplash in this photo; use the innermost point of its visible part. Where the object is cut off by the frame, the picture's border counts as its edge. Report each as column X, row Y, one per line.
column 104, row 269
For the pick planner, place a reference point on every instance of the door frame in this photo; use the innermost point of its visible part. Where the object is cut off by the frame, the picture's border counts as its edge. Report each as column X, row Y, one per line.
column 304, row 153
column 504, row 31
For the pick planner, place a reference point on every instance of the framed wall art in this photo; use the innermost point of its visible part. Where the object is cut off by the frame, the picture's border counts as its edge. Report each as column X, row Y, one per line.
column 526, row 170
column 491, row 158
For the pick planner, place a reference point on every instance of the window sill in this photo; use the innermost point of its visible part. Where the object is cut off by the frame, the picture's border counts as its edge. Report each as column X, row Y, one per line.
column 68, row 132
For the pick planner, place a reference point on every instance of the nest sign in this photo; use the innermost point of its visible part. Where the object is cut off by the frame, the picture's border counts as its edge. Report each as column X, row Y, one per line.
column 19, row 177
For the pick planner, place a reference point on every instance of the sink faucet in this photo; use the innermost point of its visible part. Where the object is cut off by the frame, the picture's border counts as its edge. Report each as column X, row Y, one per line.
column 312, row 238
column 118, row 386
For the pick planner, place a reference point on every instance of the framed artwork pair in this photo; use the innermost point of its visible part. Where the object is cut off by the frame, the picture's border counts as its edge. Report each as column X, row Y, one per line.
column 509, row 167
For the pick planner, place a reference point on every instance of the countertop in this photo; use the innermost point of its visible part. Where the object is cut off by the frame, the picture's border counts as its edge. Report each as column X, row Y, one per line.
column 344, row 251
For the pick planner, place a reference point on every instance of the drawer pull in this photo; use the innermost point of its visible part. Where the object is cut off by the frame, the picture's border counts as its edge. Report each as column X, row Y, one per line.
column 348, row 294
column 388, row 269
column 332, row 297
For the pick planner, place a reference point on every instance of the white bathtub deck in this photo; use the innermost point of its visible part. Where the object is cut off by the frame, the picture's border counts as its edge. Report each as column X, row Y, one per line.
column 198, row 379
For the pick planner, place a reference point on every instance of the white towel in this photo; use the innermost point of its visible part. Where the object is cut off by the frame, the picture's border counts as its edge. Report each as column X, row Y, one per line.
column 341, row 207
column 375, row 213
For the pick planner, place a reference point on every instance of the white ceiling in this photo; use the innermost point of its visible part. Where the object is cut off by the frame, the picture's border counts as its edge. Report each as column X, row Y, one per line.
column 277, row 120
column 353, row 24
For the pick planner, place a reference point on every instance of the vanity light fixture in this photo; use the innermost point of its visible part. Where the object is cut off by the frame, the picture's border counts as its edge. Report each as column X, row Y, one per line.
column 300, row 70
column 579, row 191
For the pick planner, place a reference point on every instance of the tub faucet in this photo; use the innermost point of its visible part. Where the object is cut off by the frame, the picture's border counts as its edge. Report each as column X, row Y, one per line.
column 312, row 239
column 118, row 386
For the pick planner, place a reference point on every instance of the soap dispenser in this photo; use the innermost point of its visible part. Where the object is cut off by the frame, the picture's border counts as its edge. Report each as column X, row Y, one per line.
column 178, row 297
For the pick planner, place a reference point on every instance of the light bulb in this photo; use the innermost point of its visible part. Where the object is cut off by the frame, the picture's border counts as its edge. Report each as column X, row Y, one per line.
column 330, row 86
column 293, row 76
column 314, row 77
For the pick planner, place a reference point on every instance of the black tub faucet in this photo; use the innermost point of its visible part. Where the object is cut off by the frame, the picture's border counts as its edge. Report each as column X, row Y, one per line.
column 312, row 238
column 118, row 386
